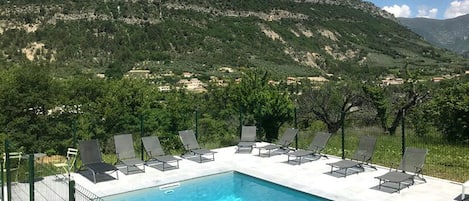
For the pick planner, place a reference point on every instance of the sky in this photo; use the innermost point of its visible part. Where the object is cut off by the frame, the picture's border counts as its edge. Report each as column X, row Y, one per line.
column 437, row 9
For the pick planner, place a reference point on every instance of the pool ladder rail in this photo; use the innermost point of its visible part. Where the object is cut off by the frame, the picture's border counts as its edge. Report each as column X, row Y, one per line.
column 169, row 188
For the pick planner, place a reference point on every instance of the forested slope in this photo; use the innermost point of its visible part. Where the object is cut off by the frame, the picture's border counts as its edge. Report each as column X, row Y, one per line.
column 287, row 37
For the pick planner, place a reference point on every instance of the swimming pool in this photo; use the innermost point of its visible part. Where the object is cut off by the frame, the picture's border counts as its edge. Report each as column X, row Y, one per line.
column 230, row 186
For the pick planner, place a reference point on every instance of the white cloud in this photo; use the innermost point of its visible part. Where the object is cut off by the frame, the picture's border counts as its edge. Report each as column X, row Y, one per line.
column 427, row 13
column 457, row 8
column 399, row 11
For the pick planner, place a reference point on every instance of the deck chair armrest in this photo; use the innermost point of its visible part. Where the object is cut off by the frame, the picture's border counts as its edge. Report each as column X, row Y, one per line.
column 149, row 154
column 363, row 157
column 418, row 170
column 390, row 167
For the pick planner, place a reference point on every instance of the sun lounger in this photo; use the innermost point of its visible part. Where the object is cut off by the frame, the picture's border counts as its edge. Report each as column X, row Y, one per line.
column 248, row 138
column 90, row 155
column 317, row 145
column 410, row 168
column 283, row 143
column 125, row 152
column 362, row 156
column 156, row 154
column 192, row 146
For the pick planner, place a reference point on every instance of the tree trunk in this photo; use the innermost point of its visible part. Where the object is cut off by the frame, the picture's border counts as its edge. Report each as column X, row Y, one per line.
column 271, row 132
column 395, row 123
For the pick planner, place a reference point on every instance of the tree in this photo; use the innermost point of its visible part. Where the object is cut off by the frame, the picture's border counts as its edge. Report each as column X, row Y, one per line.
column 332, row 102
column 391, row 102
column 451, row 110
column 28, row 96
column 270, row 106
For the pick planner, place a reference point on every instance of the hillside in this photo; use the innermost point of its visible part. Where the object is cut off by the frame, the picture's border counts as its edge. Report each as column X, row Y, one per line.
column 309, row 37
column 452, row 34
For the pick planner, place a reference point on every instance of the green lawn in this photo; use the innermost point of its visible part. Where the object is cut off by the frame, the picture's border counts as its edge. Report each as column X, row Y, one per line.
column 444, row 160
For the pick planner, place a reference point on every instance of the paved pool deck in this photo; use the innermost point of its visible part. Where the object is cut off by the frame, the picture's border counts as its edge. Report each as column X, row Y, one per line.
column 312, row 177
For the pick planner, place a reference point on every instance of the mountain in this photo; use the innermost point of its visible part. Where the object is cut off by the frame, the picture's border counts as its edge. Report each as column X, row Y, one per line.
column 452, row 34
column 302, row 37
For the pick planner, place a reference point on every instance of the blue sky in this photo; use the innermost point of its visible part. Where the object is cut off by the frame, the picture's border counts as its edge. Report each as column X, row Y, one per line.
column 439, row 9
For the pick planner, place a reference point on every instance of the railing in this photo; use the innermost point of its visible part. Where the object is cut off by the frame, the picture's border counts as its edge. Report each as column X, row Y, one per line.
column 30, row 178
column 83, row 194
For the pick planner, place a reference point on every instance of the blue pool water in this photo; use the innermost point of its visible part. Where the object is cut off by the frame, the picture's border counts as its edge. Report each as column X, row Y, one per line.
column 231, row 186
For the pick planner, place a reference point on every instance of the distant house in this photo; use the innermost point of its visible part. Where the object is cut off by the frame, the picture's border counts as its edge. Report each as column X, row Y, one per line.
column 226, row 69
column 193, row 84
column 437, row 79
column 318, row 79
column 291, row 80
column 183, row 82
column 391, row 80
column 273, row 82
column 138, row 73
column 168, row 74
column 187, row 74
column 164, row 88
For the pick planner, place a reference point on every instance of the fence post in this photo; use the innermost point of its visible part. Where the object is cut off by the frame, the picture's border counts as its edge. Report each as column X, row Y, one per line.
column 296, row 126
column 7, row 168
column 74, row 140
column 196, row 122
column 31, row 176
column 1, row 178
column 141, row 136
column 403, row 131
column 343, row 133
column 241, row 121
column 71, row 190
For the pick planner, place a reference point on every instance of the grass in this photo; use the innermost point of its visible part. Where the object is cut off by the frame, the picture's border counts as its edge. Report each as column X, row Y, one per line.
column 444, row 160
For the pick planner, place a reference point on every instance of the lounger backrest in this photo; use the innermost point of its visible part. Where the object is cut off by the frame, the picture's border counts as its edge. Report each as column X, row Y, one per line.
column 90, row 152
column 413, row 159
column 152, row 146
column 366, row 147
column 188, row 140
column 288, row 137
column 248, row 134
column 124, row 146
column 319, row 142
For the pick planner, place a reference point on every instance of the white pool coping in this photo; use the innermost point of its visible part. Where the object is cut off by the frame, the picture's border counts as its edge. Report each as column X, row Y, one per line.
column 310, row 177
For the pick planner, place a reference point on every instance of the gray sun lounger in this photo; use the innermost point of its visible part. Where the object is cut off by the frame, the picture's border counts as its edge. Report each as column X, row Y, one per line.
column 90, row 155
column 126, row 153
column 283, row 143
column 410, row 168
column 362, row 156
column 156, row 154
column 248, row 138
column 317, row 145
column 192, row 146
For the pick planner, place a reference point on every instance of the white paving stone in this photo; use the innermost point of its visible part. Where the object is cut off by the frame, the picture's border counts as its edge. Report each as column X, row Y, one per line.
column 311, row 177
